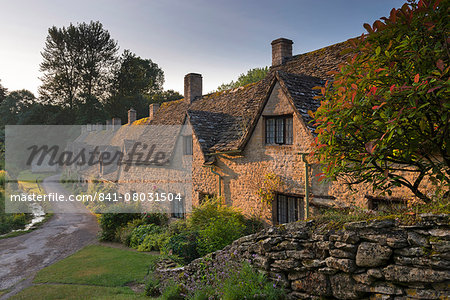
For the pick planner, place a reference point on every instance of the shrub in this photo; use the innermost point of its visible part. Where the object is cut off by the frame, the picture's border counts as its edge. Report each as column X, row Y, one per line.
column 152, row 288
column 157, row 218
column 184, row 245
column 111, row 222
column 247, row 283
column 219, row 232
column 172, row 292
column 123, row 234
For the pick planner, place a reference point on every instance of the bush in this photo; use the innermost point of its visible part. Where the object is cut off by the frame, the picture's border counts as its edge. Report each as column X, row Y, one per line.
column 219, row 232
column 123, row 234
column 157, row 218
column 247, row 283
column 152, row 288
column 229, row 280
column 111, row 222
column 184, row 245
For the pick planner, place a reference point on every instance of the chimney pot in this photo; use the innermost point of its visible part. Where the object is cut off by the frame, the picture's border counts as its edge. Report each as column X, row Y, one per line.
column 192, row 87
column 152, row 109
column 131, row 116
column 281, row 49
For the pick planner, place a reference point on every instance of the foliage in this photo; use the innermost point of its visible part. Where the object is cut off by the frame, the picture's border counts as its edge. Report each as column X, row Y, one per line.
column 137, row 76
column 408, row 214
column 386, row 112
column 144, row 237
column 225, row 279
column 152, row 287
column 219, row 232
column 183, row 244
column 157, row 218
column 3, row 93
column 252, row 75
column 123, row 234
column 249, row 282
column 77, row 60
column 266, row 193
column 14, row 106
column 111, row 222
column 164, row 96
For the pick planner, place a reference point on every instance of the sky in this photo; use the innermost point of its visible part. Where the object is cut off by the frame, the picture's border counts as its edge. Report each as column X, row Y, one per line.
column 218, row 39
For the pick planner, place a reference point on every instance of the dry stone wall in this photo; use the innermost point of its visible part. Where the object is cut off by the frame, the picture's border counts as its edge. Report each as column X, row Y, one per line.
column 372, row 259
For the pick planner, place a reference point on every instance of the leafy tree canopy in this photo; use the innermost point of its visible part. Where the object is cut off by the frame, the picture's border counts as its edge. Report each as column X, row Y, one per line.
column 164, row 96
column 77, row 60
column 387, row 110
column 251, row 76
column 3, row 93
column 137, row 76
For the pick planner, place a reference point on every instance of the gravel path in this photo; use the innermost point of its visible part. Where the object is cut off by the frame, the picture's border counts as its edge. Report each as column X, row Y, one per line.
column 65, row 233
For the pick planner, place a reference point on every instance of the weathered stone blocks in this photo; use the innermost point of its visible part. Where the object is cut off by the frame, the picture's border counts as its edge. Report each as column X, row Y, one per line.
column 372, row 255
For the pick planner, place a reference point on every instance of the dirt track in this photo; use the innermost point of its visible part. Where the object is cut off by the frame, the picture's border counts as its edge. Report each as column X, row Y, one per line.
column 65, row 233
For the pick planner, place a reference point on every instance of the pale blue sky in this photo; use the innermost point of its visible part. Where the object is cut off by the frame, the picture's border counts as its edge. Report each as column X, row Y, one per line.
column 219, row 39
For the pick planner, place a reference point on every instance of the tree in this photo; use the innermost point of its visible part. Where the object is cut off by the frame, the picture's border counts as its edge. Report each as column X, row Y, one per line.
column 3, row 93
column 386, row 114
column 164, row 96
column 77, row 60
column 252, row 75
column 137, row 76
column 14, row 106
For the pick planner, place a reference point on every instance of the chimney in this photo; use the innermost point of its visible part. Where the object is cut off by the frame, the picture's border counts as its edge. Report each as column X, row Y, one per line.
column 192, row 86
column 281, row 49
column 131, row 116
column 116, row 123
column 152, row 109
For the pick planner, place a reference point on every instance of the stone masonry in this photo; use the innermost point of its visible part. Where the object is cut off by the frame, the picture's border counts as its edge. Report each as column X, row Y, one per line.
column 371, row 259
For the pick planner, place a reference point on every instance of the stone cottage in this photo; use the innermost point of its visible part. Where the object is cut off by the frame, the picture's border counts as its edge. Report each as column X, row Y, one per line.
column 255, row 140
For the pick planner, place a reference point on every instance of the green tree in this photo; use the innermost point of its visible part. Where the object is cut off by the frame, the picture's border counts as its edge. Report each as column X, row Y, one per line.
column 164, row 96
column 3, row 93
column 387, row 111
column 252, row 75
column 137, row 76
column 15, row 106
column 77, row 60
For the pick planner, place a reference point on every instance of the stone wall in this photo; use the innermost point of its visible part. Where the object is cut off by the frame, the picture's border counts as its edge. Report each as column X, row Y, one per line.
column 377, row 259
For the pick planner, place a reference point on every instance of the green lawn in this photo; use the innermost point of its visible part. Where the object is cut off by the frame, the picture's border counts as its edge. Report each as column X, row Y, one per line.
column 95, row 272
column 27, row 181
column 72, row 291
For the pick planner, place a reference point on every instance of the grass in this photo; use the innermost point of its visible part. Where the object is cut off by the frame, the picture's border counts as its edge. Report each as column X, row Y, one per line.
column 32, row 182
column 95, row 272
column 27, row 182
column 71, row 291
column 35, row 226
column 99, row 265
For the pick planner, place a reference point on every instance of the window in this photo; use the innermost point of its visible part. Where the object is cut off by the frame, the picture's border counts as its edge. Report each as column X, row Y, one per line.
column 287, row 208
column 382, row 203
column 178, row 208
column 279, row 130
column 187, row 145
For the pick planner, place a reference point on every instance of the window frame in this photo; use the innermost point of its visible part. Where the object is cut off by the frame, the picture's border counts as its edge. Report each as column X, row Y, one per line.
column 273, row 136
column 283, row 217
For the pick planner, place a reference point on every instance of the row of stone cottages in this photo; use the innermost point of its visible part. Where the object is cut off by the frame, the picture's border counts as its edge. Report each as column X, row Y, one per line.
column 252, row 137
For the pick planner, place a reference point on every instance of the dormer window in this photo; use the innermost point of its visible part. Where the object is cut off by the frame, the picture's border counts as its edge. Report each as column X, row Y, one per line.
column 279, row 130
